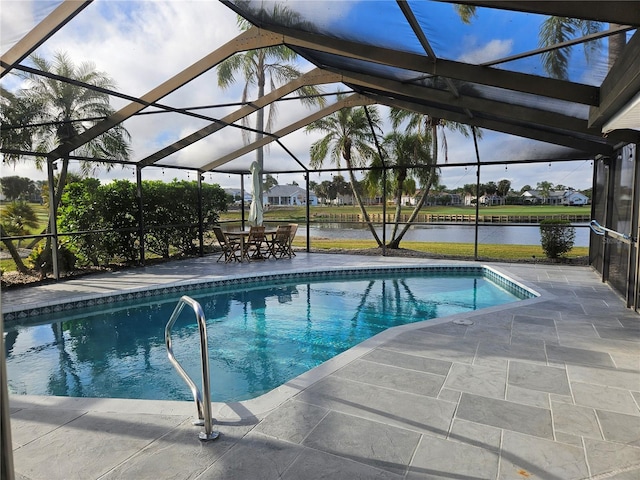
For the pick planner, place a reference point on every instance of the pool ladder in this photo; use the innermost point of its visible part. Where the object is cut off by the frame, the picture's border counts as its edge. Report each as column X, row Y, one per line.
column 203, row 405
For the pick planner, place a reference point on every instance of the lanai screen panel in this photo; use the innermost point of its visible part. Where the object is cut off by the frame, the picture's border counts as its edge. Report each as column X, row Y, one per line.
column 139, row 46
column 131, row 41
column 492, row 35
column 509, row 40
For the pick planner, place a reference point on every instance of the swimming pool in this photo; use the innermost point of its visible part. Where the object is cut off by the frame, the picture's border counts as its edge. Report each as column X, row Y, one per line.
column 262, row 332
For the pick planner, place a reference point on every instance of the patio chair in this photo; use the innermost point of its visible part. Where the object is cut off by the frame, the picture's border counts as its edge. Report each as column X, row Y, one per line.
column 256, row 246
column 279, row 244
column 230, row 248
column 292, row 235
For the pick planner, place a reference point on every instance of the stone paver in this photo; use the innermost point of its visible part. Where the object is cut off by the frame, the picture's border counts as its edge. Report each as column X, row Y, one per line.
column 575, row 420
column 619, row 427
column 546, row 388
column 376, row 444
column 537, row 377
column 316, row 465
column 443, row 459
column 524, row 456
column 506, row 415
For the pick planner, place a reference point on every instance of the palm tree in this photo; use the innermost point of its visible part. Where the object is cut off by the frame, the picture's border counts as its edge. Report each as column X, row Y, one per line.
column 60, row 111
column 545, row 189
column 428, row 126
column 348, row 137
column 16, row 112
column 555, row 30
column 420, row 123
column 13, row 251
column 64, row 111
column 407, row 155
column 18, row 217
column 504, row 186
column 15, row 219
column 273, row 65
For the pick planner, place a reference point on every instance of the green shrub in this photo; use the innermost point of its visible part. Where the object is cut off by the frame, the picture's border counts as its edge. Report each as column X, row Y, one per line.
column 108, row 217
column 556, row 237
column 66, row 259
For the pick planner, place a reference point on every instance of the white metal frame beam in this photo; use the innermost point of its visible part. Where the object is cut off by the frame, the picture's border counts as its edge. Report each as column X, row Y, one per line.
column 507, row 111
column 251, row 39
column 314, row 77
column 354, row 100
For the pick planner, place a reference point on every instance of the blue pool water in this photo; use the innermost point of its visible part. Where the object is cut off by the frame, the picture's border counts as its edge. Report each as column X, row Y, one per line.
column 260, row 336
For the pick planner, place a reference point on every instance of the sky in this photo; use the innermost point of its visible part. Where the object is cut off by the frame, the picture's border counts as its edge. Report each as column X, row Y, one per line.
column 142, row 44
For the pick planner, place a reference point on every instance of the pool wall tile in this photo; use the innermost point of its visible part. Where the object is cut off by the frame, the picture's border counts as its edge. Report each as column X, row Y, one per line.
column 499, row 279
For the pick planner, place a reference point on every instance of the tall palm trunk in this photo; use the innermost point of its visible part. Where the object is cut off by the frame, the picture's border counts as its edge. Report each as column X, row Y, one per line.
column 13, row 251
column 62, row 180
column 357, row 196
column 395, row 242
column 402, row 175
column 59, row 190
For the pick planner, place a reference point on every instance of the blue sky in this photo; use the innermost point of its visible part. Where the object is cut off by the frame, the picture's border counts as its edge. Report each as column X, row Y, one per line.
column 142, row 44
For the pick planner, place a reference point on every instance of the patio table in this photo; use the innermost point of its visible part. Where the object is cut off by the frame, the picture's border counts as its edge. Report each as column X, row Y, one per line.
column 243, row 235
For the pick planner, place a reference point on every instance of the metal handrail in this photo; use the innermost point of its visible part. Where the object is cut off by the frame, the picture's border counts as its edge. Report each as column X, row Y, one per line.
column 600, row 230
column 202, row 405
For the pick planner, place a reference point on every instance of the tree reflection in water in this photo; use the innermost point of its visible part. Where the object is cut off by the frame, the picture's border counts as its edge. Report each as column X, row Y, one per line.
column 259, row 336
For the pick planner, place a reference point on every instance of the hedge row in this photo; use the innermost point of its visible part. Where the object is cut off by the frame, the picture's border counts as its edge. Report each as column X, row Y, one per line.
column 108, row 217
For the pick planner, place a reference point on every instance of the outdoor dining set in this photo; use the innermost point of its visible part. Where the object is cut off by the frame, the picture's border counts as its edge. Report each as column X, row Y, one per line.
column 257, row 243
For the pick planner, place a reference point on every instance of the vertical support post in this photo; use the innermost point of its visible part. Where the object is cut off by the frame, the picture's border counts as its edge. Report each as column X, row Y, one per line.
column 632, row 270
column 308, row 210
column 141, row 226
column 200, row 215
column 592, row 210
column 384, row 211
column 242, row 201
column 475, row 241
column 609, row 201
column 53, row 215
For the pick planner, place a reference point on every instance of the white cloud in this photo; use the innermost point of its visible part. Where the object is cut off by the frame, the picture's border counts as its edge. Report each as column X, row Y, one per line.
column 492, row 50
column 319, row 13
column 19, row 17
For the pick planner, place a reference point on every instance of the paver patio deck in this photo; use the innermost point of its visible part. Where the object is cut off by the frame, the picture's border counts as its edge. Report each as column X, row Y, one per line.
column 547, row 388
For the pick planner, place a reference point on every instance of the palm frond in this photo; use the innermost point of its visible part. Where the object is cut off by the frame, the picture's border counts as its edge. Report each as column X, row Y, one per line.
column 465, row 12
column 63, row 106
column 556, row 30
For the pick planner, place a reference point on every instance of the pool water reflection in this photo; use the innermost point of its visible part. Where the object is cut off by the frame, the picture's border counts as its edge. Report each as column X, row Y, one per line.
column 259, row 336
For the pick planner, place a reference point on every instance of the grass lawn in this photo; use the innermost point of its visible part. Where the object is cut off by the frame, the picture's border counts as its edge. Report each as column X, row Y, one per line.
column 497, row 251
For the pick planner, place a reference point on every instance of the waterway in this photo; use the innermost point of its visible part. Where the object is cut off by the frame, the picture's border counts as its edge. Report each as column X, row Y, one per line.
column 464, row 233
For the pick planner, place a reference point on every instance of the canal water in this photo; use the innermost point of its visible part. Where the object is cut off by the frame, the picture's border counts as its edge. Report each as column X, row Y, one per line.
column 464, row 233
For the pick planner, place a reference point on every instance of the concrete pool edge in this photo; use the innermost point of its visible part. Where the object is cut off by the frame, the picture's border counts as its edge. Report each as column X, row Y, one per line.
column 250, row 411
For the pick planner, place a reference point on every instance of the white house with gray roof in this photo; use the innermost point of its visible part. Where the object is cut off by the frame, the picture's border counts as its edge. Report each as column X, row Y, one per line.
column 555, row 197
column 288, row 195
